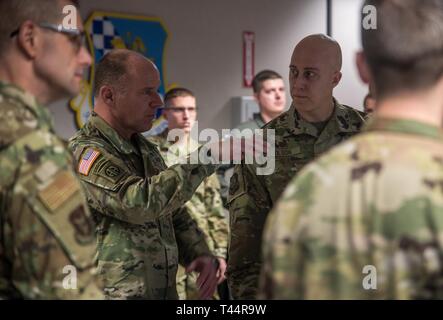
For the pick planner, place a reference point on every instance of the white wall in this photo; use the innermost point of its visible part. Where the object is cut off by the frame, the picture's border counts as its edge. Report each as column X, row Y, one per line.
column 346, row 30
column 204, row 49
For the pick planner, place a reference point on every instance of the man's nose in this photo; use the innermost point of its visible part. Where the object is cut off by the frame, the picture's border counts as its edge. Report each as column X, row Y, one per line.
column 157, row 101
column 84, row 57
column 299, row 83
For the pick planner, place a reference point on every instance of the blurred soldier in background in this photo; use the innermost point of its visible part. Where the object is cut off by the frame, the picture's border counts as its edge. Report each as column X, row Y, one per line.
column 47, row 242
column 205, row 206
column 269, row 92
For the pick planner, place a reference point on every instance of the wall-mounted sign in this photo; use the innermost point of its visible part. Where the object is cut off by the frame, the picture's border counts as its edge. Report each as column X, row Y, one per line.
column 248, row 58
column 106, row 31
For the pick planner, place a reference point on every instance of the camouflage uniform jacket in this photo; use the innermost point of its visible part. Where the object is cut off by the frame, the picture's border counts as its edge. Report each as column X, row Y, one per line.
column 141, row 234
column 46, row 230
column 205, row 207
column 364, row 221
column 225, row 171
column 252, row 196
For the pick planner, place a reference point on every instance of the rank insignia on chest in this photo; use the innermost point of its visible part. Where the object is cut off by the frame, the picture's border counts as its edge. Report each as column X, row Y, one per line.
column 87, row 160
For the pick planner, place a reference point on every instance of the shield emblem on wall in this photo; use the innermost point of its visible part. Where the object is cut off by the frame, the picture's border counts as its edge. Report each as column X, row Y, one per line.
column 106, row 31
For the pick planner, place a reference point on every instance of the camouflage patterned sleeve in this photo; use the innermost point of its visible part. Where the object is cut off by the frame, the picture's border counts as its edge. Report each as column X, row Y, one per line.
column 190, row 239
column 249, row 204
column 217, row 222
column 115, row 191
column 47, row 241
column 283, row 248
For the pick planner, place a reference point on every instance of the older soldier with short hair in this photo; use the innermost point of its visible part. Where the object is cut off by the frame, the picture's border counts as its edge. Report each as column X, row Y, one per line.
column 143, row 232
column 365, row 221
column 46, row 231
column 314, row 123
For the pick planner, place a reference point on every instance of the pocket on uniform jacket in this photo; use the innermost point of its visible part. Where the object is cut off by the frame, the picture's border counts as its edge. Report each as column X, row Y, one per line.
column 60, row 204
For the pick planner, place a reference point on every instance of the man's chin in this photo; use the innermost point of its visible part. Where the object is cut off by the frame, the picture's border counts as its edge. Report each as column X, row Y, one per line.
column 73, row 90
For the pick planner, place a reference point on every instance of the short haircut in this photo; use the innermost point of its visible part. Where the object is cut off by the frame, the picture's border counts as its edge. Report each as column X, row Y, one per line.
column 177, row 92
column 14, row 12
column 111, row 69
column 405, row 51
column 261, row 77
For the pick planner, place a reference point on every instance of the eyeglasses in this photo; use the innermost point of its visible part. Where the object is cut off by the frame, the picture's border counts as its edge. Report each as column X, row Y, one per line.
column 76, row 36
column 190, row 110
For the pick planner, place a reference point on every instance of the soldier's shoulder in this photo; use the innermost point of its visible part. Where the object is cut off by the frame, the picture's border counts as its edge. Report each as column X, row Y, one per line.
column 16, row 121
column 84, row 138
column 279, row 122
column 354, row 113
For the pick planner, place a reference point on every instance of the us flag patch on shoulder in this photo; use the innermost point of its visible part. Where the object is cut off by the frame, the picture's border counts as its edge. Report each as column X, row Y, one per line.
column 87, row 160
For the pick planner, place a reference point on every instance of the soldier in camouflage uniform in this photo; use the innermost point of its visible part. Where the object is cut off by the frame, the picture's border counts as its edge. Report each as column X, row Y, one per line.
column 205, row 206
column 143, row 231
column 269, row 92
column 314, row 123
column 365, row 221
column 47, row 242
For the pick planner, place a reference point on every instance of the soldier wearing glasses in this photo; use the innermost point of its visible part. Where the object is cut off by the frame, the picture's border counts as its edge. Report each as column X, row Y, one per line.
column 205, row 206
column 47, row 242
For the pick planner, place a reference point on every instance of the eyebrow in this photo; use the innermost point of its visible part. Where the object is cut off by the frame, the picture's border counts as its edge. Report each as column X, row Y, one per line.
column 307, row 68
column 148, row 88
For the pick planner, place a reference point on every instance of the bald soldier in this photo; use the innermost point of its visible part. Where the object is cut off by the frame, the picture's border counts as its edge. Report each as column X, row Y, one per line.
column 47, row 242
column 365, row 221
column 314, row 123
column 143, row 233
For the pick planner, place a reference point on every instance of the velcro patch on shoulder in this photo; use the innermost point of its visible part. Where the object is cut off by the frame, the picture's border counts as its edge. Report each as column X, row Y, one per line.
column 59, row 190
column 111, row 171
column 87, row 160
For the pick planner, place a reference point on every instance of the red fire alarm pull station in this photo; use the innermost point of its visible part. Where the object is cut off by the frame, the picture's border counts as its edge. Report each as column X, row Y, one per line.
column 248, row 58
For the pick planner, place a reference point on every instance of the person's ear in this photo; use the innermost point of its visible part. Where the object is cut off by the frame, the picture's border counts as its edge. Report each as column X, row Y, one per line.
column 336, row 78
column 107, row 95
column 362, row 67
column 256, row 96
column 28, row 39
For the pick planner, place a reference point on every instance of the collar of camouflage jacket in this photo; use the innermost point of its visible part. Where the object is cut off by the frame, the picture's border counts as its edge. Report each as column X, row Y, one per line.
column 26, row 99
column 119, row 143
column 338, row 122
column 404, row 126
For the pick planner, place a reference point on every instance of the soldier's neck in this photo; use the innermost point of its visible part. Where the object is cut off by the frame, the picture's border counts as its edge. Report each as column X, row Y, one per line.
column 22, row 75
column 115, row 124
column 426, row 108
column 318, row 114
